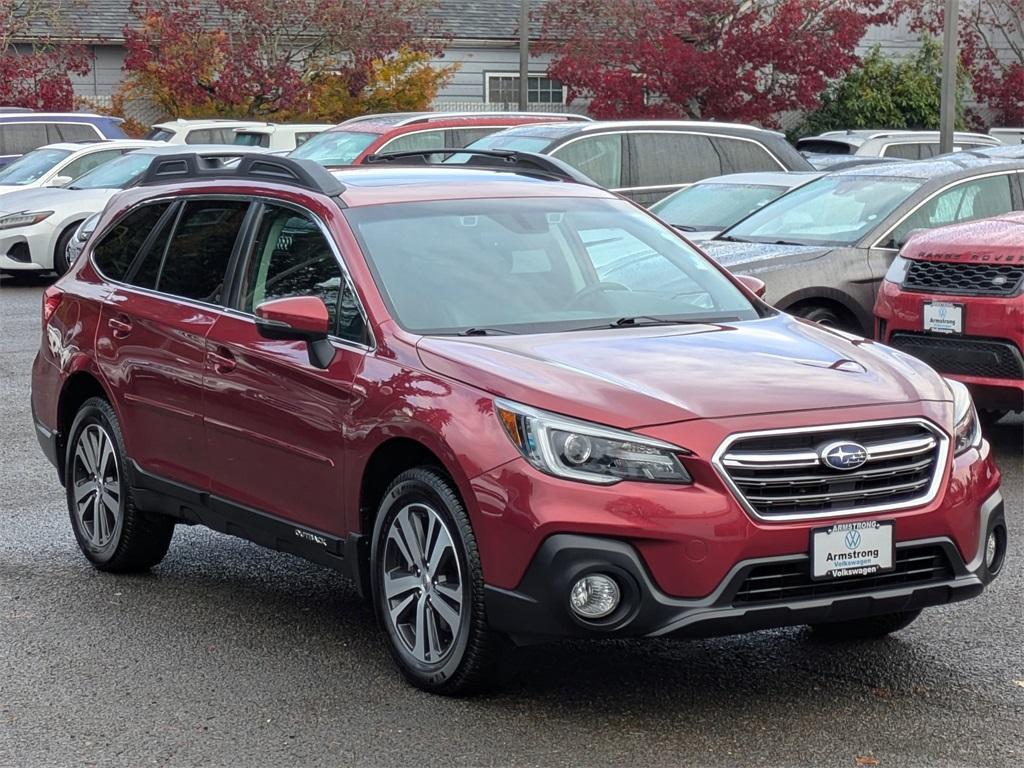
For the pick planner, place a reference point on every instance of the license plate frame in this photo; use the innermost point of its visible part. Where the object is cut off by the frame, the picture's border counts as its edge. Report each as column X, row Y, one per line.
column 943, row 317
column 869, row 536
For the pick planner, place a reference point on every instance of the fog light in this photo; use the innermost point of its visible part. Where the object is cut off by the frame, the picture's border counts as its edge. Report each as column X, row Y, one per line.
column 594, row 596
column 991, row 549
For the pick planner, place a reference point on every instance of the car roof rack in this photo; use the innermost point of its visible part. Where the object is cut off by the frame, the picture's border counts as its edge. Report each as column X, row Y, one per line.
column 525, row 163
column 427, row 117
column 258, row 166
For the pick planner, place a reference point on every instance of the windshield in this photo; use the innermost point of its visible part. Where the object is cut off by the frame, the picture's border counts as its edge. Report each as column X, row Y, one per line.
column 834, row 210
column 517, row 143
column 526, row 265
column 117, row 174
column 714, row 206
column 32, row 166
column 335, row 147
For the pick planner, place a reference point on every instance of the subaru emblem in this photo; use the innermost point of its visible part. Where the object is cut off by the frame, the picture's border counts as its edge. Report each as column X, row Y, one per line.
column 843, row 455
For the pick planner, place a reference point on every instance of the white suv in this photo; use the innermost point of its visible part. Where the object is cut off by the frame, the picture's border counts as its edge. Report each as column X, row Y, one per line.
column 279, row 138
column 199, row 131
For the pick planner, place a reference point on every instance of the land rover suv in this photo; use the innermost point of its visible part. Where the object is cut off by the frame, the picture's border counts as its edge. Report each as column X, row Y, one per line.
column 508, row 404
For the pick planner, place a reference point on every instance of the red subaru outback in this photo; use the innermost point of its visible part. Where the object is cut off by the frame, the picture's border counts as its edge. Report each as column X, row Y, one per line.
column 954, row 297
column 506, row 403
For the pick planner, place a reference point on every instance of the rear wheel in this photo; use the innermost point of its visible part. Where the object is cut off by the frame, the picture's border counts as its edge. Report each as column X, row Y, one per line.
column 428, row 586
column 868, row 628
column 111, row 532
column 821, row 314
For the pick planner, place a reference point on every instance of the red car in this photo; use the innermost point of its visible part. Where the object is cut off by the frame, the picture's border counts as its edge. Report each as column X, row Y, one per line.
column 954, row 297
column 352, row 141
column 506, row 403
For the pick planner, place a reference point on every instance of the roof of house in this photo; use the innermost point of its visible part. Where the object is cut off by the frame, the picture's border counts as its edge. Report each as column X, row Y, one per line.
column 97, row 20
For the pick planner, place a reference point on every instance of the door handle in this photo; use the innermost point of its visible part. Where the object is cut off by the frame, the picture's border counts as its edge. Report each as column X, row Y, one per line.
column 223, row 360
column 121, row 326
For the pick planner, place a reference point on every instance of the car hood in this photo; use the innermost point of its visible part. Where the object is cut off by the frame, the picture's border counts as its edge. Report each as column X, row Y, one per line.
column 657, row 375
column 52, row 198
column 733, row 255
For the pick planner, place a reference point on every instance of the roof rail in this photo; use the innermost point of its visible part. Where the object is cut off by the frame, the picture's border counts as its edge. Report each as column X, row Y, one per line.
column 258, row 166
column 526, row 163
column 430, row 116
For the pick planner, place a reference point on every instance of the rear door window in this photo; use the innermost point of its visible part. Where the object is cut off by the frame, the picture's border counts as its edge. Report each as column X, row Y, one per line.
column 200, row 249
column 463, row 137
column 19, row 138
column 76, row 132
column 210, row 136
column 599, row 157
column 672, row 160
column 912, row 151
column 116, row 251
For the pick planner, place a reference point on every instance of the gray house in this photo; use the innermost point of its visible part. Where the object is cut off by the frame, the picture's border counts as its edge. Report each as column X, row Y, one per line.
column 483, row 42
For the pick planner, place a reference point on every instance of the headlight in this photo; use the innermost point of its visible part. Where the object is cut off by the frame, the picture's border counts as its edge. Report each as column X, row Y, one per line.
column 24, row 219
column 966, row 427
column 897, row 270
column 579, row 450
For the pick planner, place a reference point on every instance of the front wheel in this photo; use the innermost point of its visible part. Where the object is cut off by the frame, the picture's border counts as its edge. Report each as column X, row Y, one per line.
column 428, row 586
column 868, row 628
column 60, row 251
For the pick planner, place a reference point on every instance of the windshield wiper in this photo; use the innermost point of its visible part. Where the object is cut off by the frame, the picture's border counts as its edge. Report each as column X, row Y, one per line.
column 732, row 239
column 485, row 332
column 685, row 227
column 641, row 321
column 786, row 242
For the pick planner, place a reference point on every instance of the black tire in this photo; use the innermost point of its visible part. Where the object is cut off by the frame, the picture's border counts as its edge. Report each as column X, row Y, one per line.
column 468, row 662
column 868, row 628
column 111, row 532
column 991, row 416
column 60, row 253
column 823, row 315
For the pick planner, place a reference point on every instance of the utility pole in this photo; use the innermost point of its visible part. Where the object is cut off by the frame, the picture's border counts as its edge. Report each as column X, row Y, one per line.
column 950, row 59
column 524, row 54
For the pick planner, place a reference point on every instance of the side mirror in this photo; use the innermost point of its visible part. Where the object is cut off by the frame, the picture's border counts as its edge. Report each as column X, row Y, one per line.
column 59, row 181
column 298, row 318
column 753, row 284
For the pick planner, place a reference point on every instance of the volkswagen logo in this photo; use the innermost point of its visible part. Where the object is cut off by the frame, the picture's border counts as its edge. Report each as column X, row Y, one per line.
column 844, row 455
column 852, row 539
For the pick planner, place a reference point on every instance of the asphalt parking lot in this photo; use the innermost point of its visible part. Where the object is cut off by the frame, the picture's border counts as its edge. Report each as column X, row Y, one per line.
column 228, row 654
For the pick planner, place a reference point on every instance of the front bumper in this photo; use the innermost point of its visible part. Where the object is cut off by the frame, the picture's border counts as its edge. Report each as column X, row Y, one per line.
column 27, row 249
column 988, row 356
column 538, row 608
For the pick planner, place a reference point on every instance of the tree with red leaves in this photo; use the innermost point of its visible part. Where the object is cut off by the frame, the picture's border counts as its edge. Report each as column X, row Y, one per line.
column 721, row 59
column 37, row 75
column 991, row 49
column 278, row 59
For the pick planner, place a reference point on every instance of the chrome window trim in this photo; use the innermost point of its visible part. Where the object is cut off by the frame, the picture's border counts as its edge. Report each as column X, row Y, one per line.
column 222, row 308
column 941, row 463
column 888, row 233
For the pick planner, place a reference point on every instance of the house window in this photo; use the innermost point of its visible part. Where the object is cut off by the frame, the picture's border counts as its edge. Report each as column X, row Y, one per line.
column 503, row 88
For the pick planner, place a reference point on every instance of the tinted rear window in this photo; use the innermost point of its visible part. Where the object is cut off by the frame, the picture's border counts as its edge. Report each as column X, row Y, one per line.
column 116, row 251
column 199, row 251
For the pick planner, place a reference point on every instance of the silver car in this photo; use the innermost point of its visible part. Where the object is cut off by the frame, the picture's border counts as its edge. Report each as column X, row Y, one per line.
column 823, row 248
column 828, row 149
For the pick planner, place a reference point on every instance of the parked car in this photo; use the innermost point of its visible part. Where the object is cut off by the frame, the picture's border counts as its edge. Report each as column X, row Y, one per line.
column 199, row 131
column 544, row 449
column 279, row 138
column 707, row 207
column 827, row 149
column 647, row 160
column 1008, row 135
column 824, row 248
column 351, row 142
column 1002, row 152
column 57, row 165
column 37, row 225
column 954, row 297
column 23, row 131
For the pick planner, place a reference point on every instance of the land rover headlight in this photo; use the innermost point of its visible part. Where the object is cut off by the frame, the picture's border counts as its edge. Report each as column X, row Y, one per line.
column 23, row 219
column 897, row 270
column 580, row 450
column 966, row 425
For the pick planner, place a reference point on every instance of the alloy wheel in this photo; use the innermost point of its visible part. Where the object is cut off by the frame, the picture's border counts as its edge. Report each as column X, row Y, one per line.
column 422, row 583
column 96, row 485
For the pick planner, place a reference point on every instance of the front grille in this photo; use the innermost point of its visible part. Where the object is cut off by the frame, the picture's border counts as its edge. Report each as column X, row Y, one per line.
column 791, row 580
column 989, row 358
column 781, row 475
column 964, row 278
